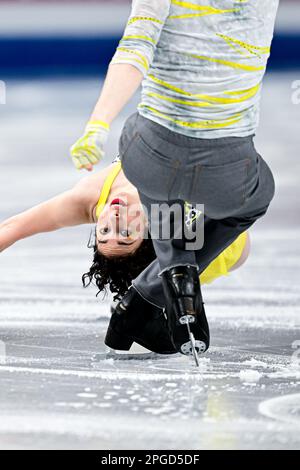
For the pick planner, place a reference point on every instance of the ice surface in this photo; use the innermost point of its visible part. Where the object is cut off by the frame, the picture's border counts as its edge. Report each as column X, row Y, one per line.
column 250, row 376
column 60, row 388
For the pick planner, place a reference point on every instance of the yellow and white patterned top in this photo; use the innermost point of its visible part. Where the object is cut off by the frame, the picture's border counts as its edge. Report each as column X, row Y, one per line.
column 203, row 62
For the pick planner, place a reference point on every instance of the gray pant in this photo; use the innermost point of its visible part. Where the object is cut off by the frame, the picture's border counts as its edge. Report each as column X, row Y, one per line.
column 227, row 175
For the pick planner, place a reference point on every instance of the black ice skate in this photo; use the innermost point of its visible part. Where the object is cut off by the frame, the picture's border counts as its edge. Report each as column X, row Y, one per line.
column 187, row 321
column 135, row 320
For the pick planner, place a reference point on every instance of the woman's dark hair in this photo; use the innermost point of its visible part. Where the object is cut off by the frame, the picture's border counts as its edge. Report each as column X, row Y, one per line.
column 117, row 273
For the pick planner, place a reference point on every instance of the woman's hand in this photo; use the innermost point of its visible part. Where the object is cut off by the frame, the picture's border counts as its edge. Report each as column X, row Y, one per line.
column 89, row 149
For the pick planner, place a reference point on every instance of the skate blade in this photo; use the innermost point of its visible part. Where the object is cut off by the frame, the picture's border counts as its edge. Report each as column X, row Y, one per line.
column 193, row 347
column 188, row 348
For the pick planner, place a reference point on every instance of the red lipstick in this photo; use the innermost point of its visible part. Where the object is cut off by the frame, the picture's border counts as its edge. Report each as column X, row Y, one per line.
column 118, row 202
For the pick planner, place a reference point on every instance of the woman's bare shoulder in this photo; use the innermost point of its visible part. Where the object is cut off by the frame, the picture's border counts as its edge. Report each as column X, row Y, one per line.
column 94, row 182
column 88, row 189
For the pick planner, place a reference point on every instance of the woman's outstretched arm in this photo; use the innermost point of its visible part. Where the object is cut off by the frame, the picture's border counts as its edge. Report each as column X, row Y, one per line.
column 73, row 207
column 61, row 211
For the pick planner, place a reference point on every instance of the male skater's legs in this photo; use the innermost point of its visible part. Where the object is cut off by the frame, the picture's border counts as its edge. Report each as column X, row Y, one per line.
column 226, row 175
column 218, row 235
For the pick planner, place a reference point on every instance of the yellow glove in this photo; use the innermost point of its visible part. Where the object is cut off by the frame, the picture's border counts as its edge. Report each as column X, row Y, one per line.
column 89, row 149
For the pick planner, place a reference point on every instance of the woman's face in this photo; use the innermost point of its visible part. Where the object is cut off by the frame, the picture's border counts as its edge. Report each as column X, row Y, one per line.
column 121, row 226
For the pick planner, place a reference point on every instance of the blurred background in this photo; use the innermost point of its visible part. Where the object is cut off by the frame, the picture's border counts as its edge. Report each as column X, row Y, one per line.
column 77, row 36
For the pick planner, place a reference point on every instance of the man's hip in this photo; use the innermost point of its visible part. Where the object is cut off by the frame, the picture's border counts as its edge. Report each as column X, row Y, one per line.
column 227, row 175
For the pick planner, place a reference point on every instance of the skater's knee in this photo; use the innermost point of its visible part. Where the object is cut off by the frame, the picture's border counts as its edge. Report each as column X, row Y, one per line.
column 262, row 211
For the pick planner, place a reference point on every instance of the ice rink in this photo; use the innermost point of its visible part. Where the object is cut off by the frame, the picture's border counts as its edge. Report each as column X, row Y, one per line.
column 60, row 389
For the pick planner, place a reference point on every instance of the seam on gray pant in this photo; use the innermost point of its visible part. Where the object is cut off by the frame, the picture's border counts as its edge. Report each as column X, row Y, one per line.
column 140, row 292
